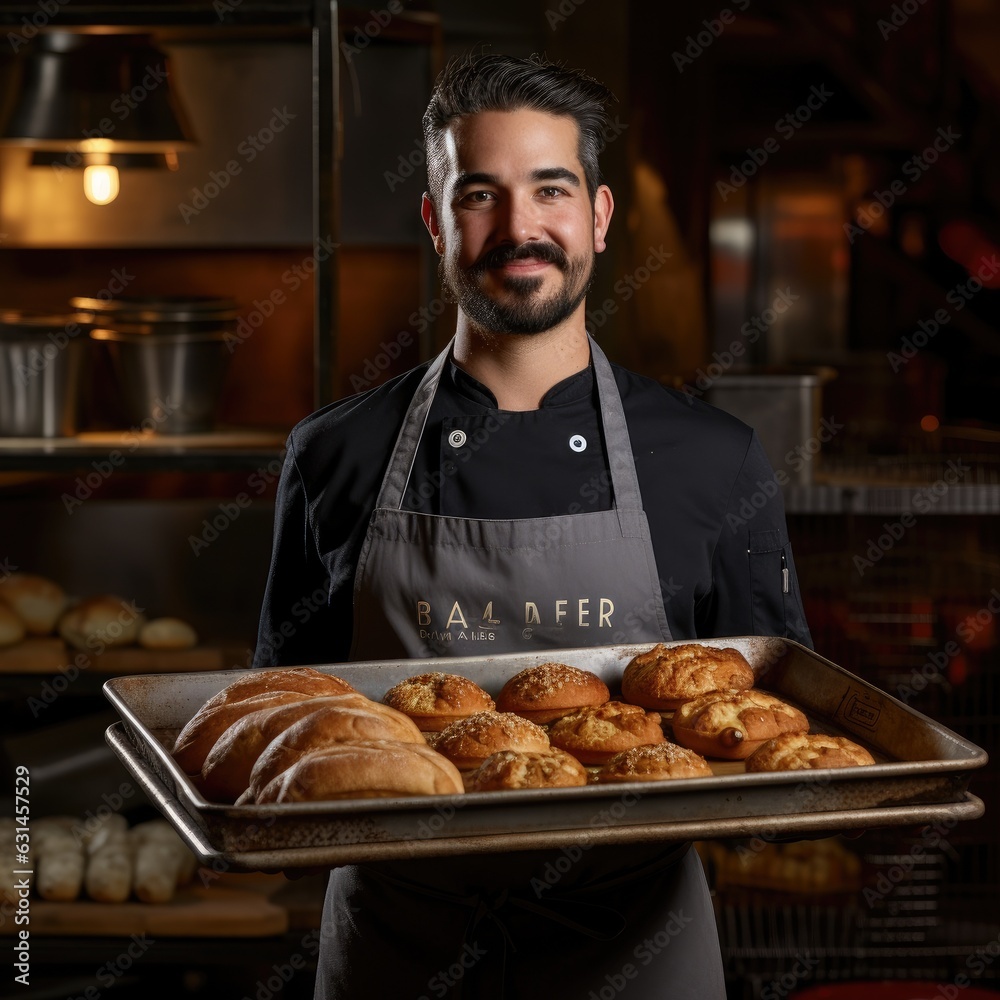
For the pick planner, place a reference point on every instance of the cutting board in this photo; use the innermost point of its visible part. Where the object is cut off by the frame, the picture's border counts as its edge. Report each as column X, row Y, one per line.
column 51, row 655
column 196, row 911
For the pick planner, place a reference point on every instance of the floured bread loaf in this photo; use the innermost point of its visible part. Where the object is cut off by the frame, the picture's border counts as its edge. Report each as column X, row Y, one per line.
column 657, row 762
column 667, row 676
column 435, row 700
column 732, row 724
column 799, row 751
column 595, row 735
column 36, row 600
column 507, row 770
column 551, row 690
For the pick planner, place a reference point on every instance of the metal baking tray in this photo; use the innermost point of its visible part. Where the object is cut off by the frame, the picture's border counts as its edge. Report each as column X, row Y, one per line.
column 921, row 775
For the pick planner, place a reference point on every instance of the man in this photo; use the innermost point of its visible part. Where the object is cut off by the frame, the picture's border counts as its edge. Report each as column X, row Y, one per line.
column 520, row 492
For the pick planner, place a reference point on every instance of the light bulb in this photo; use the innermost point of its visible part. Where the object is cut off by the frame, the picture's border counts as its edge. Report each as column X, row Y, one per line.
column 100, row 183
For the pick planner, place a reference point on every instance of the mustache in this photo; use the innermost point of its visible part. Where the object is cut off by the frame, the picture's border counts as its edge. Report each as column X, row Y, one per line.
column 533, row 250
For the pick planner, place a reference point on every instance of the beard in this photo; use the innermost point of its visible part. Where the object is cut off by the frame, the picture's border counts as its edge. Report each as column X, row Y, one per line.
column 521, row 310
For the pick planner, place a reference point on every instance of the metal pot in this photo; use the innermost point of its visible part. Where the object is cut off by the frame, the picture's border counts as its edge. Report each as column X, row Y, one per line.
column 42, row 359
column 162, row 314
column 170, row 383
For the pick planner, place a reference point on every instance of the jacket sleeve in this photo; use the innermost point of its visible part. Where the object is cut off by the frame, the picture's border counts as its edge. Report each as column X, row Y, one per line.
column 299, row 622
column 755, row 590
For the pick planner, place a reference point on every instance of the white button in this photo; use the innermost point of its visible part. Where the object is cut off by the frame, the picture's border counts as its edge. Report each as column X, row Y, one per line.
column 456, row 439
column 578, row 442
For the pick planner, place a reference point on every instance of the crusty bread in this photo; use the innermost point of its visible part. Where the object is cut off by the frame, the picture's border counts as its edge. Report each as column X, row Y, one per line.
column 167, row 633
column 656, row 762
column 507, row 770
column 368, row 769
column 36, row 600
column 799, row 751
column 96, row 623
column 468, row 742
column 595, row 735
column 549, row 691
column 308, row 680
column 11, row 627
column 196, row 739
column 732, row 724
column 266, row 743
column 435, row 700
column 666, row 676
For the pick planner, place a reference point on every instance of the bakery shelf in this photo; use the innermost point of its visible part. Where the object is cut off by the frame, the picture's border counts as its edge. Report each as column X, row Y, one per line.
column 130, row 451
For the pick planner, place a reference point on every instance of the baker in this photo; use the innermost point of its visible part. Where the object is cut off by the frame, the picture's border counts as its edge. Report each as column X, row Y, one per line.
column 519, row 491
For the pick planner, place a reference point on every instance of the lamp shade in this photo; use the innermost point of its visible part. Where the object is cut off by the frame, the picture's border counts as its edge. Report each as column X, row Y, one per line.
column 107, row 93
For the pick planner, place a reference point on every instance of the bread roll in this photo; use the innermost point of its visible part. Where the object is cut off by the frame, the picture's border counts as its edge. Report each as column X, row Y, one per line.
column 801, row 751
column 38, row 602
column 666, row 676
column 370, row 769
column 507, row 770
column 549, row 691
column 167, row 633
column 307, row 680
column 656, row 762
column 468, row 742
column 226, row 771
column 12, row 629
column 59, row 865
column 595, row 735
column 161, row 832
column 434, row 701
column 110, row 869
column 97, row 623
column 345, row 718
column 198, row 737
column 732, row 724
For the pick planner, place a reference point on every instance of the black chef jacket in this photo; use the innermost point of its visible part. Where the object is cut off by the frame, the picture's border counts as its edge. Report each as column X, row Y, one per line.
column 715, row 511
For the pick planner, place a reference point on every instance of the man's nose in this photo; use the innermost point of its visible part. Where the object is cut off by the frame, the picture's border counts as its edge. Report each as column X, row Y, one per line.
column 518, row 220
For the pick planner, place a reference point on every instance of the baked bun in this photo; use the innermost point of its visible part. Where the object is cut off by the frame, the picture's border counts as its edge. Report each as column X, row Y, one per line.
column 658, row 762
column 511, row 769
column 551, row 690
column 254, row 682
column 167, row 633
column 340, row 719
column 225, row 775
column 198, row 737
column 800, row 751
column 96, row 623
column 732, row 724
column 37, row 601
column 366, row 770
column 434, row 701
column 595, row 735
column 11, row 627
column 468, row 742
column 667, row 676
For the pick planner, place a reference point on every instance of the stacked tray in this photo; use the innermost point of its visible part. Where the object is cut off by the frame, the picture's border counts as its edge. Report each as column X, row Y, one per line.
column 921, row 775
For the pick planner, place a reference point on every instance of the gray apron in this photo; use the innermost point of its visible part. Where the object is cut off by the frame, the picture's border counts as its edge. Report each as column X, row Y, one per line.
column 432, row 585
column 527, row 925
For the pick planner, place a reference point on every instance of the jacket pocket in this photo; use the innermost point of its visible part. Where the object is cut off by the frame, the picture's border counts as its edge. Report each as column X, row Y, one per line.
column 770, row 581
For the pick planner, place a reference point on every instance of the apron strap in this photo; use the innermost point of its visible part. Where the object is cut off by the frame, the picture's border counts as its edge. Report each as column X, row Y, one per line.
column 621, row 464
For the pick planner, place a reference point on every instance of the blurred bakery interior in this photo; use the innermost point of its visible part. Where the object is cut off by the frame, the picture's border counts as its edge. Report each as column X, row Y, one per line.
column 807, row 233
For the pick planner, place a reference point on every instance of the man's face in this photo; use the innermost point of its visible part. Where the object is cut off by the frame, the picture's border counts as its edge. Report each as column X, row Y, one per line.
column 515, row 227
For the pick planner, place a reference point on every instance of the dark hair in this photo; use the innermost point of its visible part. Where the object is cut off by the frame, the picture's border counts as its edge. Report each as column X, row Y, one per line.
column 472, row 84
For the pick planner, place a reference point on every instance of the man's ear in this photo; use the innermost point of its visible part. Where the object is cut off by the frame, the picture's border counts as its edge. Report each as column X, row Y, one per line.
column 429, row 214
column 604, row 207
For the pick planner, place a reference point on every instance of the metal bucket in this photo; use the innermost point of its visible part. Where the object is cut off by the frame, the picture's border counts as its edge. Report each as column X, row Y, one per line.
column 170, row 383
column 42, row 359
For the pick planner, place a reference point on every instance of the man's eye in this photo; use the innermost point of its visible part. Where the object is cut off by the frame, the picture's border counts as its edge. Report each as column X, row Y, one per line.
column 477, row 197
column 551, row 192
